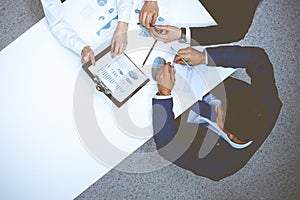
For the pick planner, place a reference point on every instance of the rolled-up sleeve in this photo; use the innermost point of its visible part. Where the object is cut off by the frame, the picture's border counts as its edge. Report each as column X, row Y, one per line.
column 64, row 33
column 124, row 8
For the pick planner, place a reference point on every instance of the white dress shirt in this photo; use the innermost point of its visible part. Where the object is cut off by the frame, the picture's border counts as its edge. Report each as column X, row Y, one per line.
column 65, row 34
column 198, row 119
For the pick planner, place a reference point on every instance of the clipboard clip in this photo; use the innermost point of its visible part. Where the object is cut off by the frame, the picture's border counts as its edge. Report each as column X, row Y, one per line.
column 100, row 86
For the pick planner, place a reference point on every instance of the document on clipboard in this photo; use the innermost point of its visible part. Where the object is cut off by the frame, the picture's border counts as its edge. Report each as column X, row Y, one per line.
column 118, row 78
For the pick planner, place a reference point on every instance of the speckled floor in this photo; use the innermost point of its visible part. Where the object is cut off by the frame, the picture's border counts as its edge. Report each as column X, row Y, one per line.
column 272, row 173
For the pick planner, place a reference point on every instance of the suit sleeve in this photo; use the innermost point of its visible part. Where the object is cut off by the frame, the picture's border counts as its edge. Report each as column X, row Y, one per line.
column 163, row 121
column 172, row 137
column 258, row 67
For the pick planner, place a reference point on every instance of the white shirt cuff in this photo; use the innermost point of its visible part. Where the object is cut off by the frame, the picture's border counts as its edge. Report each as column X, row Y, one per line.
column 188, row 35
column 79, row 45
column 162, row 97
column 206, row 58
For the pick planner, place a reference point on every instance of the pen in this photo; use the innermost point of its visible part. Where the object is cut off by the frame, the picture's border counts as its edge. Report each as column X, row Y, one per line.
column 153, row 26
column 149, row 53
column 183, row 59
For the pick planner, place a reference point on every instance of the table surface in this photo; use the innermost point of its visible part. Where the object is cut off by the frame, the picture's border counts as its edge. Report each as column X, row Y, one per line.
column 49, row 111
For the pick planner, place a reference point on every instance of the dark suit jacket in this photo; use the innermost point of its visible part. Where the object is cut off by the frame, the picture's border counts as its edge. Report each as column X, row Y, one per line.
column 234, row 17
column 179, row 142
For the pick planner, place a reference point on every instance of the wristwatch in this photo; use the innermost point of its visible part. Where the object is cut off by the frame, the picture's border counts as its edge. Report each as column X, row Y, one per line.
column 182, row 38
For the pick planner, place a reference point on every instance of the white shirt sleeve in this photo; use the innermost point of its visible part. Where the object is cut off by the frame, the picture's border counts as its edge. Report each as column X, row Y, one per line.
column 54, row 13
column 124, row 8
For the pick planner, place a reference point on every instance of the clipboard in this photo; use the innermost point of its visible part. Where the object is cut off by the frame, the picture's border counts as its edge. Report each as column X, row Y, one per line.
column 118, row 78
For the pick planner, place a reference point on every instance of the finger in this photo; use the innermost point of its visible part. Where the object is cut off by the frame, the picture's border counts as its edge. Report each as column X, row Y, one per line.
column 180, row 62
column 84, row 59
column 148, row 19
column 119, row 50
column 116, row 49
column 113, row 45
column 124, row 46
column 145, row 20
column 143, row 16
column 161, row 30
column 159, row 74
column 166, row 68
column 113, row 53
column 188, row 50
column 184, row 50
column 166, row 28
column 92, row 57
column 154, row 34
column 154, row 17
column 158, row 36
column 177, row 58
column 162, row 27
column 186, row 56
column 163, row 70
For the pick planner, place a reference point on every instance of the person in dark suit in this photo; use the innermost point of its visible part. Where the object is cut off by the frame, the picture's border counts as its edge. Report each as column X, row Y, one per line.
column 241, row 119
column 234, row 17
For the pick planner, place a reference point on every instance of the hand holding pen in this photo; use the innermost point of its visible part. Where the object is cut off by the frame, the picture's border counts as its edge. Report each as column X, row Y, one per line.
column 154, row 27
column 190, row 57
column 180, row 60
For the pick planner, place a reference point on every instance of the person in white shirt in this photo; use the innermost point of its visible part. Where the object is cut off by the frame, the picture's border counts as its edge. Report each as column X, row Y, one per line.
column 67, row 36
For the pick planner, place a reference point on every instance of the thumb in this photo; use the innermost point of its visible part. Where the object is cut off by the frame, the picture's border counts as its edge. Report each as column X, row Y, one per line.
column 160, row 27
column 93, row 60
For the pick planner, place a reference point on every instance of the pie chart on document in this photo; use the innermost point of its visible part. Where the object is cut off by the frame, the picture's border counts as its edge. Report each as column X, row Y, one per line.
column 102, row 2
column 158, row 63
